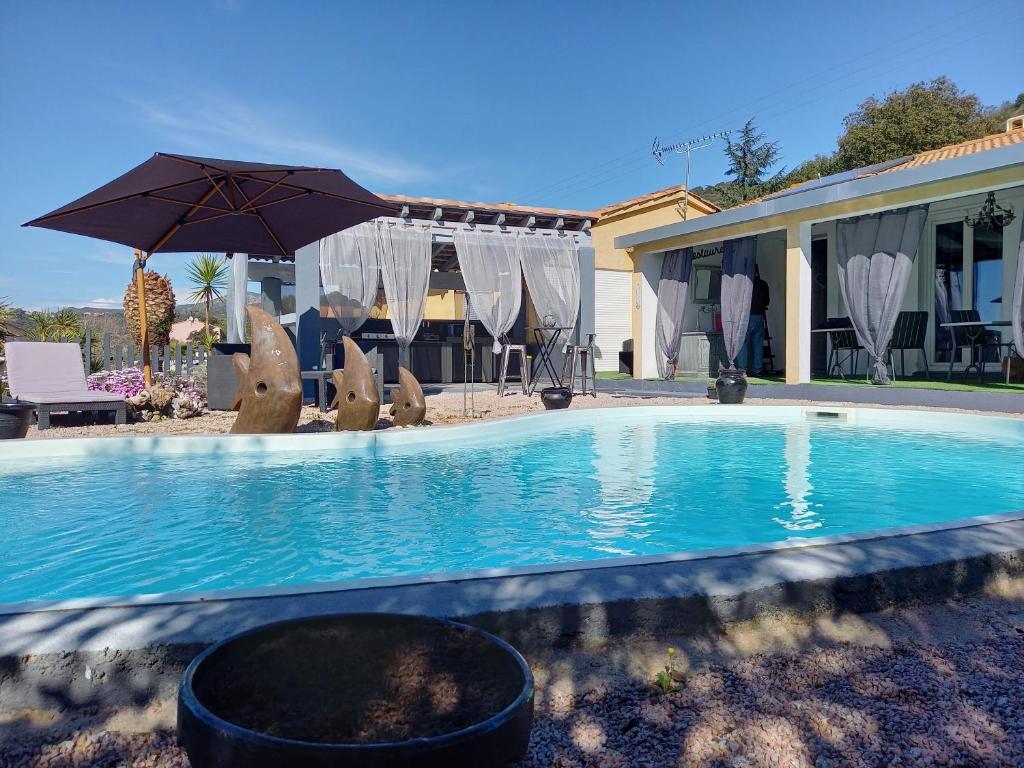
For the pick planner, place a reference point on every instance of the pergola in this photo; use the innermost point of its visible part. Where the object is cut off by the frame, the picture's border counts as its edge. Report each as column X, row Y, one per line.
column 444, row 218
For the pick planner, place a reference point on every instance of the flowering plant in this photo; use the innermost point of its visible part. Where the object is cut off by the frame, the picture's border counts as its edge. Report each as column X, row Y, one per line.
column 189, row 393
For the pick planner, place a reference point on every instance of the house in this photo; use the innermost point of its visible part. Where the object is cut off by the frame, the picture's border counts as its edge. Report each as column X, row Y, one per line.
column 956, row 265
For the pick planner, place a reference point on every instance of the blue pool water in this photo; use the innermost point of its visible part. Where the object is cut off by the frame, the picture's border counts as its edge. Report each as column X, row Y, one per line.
column 615, row 484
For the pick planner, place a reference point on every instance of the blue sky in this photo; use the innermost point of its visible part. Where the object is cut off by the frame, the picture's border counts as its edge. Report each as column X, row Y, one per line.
column 550, row 103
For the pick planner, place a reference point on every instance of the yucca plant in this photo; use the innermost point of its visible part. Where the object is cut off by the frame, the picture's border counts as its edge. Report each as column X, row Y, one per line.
column 6, row 322
column 159, row 309
column 209, row 276
column 41, row 326
column 67, row 325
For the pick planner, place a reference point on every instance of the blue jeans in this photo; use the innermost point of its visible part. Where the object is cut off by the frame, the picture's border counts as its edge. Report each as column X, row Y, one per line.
column 755, row 338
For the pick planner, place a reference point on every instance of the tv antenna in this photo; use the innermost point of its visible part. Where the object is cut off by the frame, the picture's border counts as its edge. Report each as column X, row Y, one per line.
column 685, row 148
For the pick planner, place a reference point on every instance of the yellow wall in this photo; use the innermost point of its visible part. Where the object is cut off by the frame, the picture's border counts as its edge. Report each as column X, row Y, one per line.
column 442, row 304
column 662, row 210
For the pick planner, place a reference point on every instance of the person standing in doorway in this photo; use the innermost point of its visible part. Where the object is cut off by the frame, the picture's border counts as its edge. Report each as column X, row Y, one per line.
column 759, row 301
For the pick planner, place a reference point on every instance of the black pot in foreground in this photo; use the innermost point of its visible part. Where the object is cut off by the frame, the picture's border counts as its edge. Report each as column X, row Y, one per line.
column 555, row 398
column 357, row 690
column 15, row 419
column 731, row 385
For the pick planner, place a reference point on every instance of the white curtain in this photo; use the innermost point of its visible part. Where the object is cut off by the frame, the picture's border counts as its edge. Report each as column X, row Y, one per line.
column 494, row 283
column 875, row 255
column 237, row 290
column 552, row 272
column 350, row 273
column 405, row 266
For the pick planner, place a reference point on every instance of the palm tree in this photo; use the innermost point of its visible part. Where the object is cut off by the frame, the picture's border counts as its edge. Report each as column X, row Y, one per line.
column 209, row 276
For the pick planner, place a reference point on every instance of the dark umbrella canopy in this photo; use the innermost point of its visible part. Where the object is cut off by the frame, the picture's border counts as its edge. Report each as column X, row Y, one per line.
column 178, row 204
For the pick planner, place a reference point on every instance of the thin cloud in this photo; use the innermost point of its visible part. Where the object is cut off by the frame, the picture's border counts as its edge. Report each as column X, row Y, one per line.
column 103, row 303
column 213, row 125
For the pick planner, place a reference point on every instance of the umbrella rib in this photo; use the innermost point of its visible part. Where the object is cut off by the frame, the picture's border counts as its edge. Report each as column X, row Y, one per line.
column 181, row 222
column 260, row 217
column 252, row 202
column 187, row 203
column 230, row 203
column 121, row 199
column 385, row 206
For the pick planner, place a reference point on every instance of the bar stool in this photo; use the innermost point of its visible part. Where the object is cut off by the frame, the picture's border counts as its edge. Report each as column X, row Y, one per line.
column 507, row 350
column 584, row 355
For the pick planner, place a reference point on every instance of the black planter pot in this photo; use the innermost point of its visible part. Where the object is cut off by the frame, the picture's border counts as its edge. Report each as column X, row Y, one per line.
column 731, row 386
column 15, row 419
column 555, row 398
column 499, row 738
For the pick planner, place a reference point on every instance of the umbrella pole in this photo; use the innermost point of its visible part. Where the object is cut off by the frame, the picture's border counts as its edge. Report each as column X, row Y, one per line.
column 140, row 293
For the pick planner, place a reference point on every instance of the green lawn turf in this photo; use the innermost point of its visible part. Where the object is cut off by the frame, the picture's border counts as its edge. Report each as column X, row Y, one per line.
column 956, row 385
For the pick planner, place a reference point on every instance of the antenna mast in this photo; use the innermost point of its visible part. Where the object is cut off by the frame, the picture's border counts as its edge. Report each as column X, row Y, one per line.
column 685, row 148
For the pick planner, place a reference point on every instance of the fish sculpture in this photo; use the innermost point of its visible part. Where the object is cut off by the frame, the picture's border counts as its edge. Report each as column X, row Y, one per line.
column 269, row 394
column 408, row 406
column 356, row 398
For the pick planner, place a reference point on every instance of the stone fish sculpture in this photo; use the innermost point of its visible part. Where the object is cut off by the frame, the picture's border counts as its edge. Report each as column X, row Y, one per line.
column 357, row 398
column 408, row 406
column 269, row 394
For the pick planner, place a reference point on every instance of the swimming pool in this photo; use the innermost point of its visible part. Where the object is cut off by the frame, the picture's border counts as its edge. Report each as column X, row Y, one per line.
column 91, row 518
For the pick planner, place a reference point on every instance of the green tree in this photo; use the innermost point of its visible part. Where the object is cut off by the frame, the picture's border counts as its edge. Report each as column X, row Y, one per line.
column 750, row 160
column 921, row 117
column 209, row 276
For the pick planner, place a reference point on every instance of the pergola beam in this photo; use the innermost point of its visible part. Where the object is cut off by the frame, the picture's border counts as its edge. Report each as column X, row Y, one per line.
column 468, row 216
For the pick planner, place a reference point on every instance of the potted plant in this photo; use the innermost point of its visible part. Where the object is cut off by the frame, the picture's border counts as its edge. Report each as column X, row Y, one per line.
column 357, row 690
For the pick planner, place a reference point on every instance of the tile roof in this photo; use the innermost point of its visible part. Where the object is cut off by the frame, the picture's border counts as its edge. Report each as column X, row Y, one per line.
column 608, row 210
column 964, row 148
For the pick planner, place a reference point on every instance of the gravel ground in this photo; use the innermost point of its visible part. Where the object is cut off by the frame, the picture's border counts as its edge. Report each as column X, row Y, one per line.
column 442, row 408
column 921, row 686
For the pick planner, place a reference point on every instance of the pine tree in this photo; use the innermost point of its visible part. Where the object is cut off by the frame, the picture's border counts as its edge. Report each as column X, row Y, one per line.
column 750, row 160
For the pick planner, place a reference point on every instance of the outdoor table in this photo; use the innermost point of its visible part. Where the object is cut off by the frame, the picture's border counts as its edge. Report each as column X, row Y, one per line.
column 978, row 327
column 322, row 379
column 838, row 364
column 543, row 360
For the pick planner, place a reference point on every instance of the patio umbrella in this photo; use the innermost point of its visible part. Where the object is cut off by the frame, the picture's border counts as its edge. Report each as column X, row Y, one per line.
column 179, row 204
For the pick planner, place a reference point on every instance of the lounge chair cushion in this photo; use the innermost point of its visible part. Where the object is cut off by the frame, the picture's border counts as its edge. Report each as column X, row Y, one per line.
column 47, row 372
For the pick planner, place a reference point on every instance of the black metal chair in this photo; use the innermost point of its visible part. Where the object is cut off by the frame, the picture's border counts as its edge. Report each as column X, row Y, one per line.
column 975, row 338
column 910, row 332
column 844, row 347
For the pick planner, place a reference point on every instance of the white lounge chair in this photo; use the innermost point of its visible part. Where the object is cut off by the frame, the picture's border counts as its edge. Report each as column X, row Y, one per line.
column 51, row 376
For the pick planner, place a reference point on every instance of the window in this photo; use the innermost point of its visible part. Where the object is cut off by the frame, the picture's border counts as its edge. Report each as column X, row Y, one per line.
column 987, row 292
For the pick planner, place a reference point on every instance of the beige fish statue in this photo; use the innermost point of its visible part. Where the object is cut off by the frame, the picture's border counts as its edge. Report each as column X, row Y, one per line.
column 408, row 406
column 269, row 394
column 356, row 398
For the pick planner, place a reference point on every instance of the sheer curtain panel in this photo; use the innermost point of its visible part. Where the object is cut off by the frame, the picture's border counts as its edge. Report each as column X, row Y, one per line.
column 405, row 266
column 494, row 282
column 875, row 255
column 350, row 273
column 673, row 288
column 552, row 272
column 738, row 259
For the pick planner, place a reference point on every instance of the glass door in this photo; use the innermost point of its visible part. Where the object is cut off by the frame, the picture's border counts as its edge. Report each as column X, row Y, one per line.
column 968, row 275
